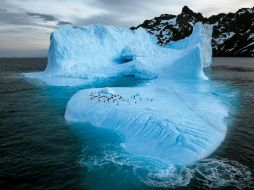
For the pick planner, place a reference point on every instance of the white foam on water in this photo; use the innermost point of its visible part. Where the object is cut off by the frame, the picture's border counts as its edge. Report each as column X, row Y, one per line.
column 217, row 173
column 170, row 177
column 213, row 173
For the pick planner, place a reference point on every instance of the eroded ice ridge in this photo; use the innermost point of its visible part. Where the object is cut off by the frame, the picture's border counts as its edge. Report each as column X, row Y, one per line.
column 174, row 118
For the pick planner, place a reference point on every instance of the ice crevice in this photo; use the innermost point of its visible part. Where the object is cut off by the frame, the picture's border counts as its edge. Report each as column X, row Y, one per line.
column 173, row 117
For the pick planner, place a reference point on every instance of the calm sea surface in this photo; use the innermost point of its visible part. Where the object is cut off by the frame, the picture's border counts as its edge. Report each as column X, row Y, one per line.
column 40, row 150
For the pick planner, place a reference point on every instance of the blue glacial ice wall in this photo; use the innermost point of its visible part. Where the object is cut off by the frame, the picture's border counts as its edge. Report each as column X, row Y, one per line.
column 174, row 118
column 96, row 51
column 200, row 38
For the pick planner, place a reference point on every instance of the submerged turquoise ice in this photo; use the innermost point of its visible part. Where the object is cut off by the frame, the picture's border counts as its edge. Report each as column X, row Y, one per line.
column 174, row 117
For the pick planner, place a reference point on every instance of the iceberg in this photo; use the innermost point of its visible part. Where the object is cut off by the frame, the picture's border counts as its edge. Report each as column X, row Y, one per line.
column 82, row 54
column 174, row 117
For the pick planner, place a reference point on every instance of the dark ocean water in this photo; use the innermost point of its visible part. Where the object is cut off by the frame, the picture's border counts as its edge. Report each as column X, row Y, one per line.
column 40, row 150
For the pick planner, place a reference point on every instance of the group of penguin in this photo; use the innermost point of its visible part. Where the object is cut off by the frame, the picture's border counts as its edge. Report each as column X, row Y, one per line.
column 115, row 98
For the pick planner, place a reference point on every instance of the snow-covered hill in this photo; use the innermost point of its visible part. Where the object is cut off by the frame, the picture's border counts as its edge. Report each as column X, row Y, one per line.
column 233, row 33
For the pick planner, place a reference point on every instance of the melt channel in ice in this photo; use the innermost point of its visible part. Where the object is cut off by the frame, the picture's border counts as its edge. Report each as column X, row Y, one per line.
column 174, row 117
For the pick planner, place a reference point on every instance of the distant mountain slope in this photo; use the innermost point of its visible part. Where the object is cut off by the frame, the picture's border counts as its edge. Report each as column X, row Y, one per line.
column 233, row 33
